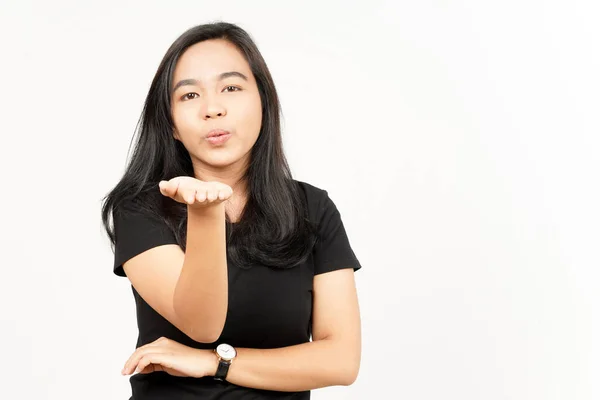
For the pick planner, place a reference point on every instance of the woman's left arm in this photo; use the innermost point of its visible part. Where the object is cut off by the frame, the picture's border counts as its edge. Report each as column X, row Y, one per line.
column 332, row 358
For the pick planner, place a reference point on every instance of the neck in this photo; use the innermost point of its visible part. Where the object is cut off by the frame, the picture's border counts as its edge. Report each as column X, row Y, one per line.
column 230, row 175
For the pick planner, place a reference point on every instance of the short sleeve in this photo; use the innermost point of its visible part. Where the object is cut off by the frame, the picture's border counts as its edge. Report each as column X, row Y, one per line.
column 332, row 250
column 136, row 232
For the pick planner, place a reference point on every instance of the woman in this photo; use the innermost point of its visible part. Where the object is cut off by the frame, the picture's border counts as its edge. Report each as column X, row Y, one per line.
column 234, row 265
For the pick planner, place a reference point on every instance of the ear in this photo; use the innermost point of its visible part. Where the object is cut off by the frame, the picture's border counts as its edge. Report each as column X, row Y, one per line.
column 176, row 135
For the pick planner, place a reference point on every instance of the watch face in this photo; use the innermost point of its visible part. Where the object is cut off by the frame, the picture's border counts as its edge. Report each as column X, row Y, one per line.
column 226, row 351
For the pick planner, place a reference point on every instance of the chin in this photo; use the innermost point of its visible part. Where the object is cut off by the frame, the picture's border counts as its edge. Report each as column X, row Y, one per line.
column 221, row 160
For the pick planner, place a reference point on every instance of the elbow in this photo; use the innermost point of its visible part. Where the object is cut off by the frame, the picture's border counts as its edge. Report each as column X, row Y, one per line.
column 201, row 328
column 350, row 366
column 205, row 338
column 350, row 358
column 349, row 374
column 204, row 335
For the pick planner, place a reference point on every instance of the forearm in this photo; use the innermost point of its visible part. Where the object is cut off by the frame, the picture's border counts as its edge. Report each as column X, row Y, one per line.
column 200, row 295
column 301, row 367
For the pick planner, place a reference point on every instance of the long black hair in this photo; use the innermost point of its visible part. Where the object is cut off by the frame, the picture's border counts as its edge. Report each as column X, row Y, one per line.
column 274, row 229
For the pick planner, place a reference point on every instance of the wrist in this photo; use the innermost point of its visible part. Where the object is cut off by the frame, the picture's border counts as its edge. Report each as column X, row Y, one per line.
column 207, row 210
column 207, row 214
column 226, row 355
column 211, row 362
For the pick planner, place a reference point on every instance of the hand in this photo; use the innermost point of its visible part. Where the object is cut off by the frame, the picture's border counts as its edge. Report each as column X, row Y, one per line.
column 173, row 358
column 194, row 192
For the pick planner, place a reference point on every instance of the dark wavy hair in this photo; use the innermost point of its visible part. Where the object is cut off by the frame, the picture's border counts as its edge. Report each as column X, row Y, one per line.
column 274, row 229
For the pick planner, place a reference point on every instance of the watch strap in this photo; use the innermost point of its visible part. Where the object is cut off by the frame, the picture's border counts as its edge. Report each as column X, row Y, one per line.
column 222, row 370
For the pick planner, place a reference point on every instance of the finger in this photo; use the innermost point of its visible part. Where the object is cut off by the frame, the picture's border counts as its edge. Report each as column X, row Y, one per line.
column 153, row 358
column 133, row 360
column 144, row 362
column 210, row 194
column 190, row 196
column 157, row 345
column 169, row 188
column 162, row 186
column 151, row 368
column 173, row 187
column 201, row 195
column 127, row 367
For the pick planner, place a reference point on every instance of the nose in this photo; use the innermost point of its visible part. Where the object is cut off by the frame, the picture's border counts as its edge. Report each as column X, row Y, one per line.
column 213, row 109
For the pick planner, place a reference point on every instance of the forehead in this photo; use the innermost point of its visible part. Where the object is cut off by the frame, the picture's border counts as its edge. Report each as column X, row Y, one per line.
column 205, row 60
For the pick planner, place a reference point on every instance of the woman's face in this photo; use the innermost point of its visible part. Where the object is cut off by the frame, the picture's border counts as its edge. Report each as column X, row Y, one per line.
column 214, row 88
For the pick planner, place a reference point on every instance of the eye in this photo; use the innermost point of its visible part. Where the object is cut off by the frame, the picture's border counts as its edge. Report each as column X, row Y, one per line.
column 186, row 96
column 235, row 88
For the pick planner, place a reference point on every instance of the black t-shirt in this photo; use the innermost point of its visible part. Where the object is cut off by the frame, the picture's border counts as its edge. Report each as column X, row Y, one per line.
column 267, row 308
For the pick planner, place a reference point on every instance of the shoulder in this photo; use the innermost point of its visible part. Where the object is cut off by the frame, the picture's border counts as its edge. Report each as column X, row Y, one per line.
column 138, row 214
column 317, row 199
column 310, row 190
column 137, row 228
column 332, row 250
column 316, row 196
column 130, row 205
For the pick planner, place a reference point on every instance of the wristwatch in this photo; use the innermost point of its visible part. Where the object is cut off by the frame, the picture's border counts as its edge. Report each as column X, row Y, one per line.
column 226, row 353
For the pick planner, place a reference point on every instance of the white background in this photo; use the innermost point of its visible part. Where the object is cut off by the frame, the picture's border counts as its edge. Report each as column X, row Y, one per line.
column 459, row 139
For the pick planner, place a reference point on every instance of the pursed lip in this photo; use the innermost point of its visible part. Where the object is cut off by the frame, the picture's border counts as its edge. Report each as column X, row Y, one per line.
column 217, row 132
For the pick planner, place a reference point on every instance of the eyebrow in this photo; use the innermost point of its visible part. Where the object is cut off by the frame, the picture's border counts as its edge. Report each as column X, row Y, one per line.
column 220, row 77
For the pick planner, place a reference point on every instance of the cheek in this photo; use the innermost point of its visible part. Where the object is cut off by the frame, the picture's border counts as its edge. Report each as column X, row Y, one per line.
column 251, row 115
column 182, row 121
column 188, row 124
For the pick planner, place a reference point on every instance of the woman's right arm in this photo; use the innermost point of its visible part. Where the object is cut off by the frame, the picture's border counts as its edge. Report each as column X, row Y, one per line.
column 189, row 289
column 200, row 295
